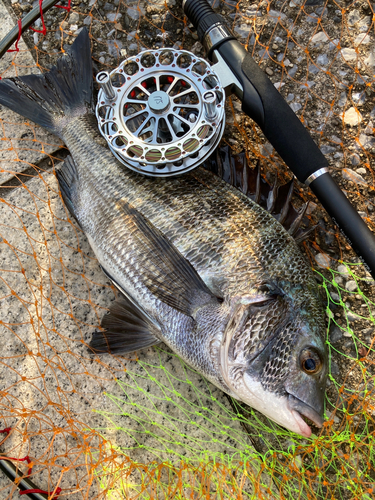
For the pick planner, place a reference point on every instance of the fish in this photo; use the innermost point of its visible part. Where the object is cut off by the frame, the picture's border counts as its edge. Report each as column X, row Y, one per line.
column 197, row 263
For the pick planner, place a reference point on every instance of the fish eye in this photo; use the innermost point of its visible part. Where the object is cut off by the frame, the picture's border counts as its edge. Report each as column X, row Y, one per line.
column 310, row 361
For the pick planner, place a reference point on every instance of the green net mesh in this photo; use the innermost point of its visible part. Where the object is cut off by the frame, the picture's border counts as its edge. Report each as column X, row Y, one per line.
column 148, row 426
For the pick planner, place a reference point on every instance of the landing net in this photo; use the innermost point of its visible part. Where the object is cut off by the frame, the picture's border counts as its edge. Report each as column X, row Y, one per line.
column 148, row 426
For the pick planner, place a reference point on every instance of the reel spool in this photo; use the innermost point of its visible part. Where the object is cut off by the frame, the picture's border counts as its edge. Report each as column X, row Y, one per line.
column 161, row 112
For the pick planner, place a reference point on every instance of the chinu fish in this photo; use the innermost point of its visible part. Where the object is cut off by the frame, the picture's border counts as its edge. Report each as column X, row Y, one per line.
column 199, row 265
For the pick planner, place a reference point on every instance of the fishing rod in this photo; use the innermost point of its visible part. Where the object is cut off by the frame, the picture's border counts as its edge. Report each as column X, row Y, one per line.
column 262, row 102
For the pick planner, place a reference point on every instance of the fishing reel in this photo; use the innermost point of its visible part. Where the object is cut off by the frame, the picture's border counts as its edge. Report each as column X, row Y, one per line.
column 161, row 112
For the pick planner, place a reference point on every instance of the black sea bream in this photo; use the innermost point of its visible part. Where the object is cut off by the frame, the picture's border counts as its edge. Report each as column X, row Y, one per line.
column 199, row 265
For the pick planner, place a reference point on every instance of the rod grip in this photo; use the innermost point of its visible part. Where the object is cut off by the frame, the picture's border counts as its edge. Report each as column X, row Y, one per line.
column 280, row 125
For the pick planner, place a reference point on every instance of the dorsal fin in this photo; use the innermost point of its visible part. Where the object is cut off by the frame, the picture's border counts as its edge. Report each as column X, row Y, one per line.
column 234, row 170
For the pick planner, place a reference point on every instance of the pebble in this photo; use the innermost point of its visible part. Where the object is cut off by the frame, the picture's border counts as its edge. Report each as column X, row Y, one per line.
column 362, row 39
column 355, row 160
column 323, row 260
column 322, row 60
column 319, row 37
column 335, row 296
column 359, row 98
column 326, row 150
column 278, row 85
column 352, row 116
column 335, row 370
column 269, row 71
column 369, row 130
column 114, row 16
column 295, row 106
column 370, row 60
column 342, row 269
column 361, row 171
column 366, row 141
column 349, row 54
column 350, row 175
column 351, row 286
column 351, row 317
column 276, row 16
column 353, row 17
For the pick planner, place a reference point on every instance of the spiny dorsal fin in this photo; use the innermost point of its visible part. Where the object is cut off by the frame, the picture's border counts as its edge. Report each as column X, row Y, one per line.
column 126, row 329
column 165, row 272
column 235, row 170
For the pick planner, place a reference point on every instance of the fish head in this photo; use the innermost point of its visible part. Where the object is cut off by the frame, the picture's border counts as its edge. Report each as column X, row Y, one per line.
column 273, row 357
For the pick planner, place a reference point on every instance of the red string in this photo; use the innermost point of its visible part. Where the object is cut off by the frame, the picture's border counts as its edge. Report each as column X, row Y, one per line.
column 66, row 8
column 26, row 492
column 16, row 49
column 25, row 459
column 44, row 30
column 7, row 430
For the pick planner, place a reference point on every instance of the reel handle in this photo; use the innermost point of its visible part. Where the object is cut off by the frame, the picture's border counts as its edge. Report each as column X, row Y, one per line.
column 263, row 103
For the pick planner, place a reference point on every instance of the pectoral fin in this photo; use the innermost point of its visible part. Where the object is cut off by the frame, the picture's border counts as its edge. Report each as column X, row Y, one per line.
column 163, row 270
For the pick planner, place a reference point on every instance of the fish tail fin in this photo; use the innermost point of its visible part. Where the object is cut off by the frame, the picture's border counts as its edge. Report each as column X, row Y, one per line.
column 62, row 93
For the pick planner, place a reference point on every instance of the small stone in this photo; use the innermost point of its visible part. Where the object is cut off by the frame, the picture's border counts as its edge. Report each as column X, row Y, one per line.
column 322, row 60
column 295, row 106
column 335, row 334
column 370, row 60
column 326, row 150
column 289, row 97
column 323, row 260
column 335, row 296
column 319, row 37
column 369, row 130
column 362, row 39
column 87, row 21
column 352, row 117
column 355, row 160
column 351, row 286
column 349, row 54
column 197, row 48
column 269, row 71
column 351, row 317
column 276, row 16
column 345, row 332
column 350, row 175
column 358, row 98
column 366, row 141
column 335, row 370
column 353, row 17
column 74, row 18
column 343, row 270
column 361, row 171
column 278, row 85
column 114, row 16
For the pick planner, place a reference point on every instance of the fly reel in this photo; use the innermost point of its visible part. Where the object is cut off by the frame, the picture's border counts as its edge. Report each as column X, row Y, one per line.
column 161, row 112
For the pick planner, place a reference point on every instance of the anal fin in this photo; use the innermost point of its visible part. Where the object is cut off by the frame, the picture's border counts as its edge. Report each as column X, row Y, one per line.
column 126, row 329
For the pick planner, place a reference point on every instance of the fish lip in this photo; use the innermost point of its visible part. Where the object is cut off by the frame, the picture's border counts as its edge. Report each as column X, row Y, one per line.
column 298, row 408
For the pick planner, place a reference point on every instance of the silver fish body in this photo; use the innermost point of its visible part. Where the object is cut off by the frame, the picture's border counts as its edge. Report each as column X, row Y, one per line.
column 232, row 293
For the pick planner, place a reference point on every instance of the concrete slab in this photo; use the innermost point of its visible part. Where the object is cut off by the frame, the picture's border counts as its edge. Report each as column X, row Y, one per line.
column 21, row 144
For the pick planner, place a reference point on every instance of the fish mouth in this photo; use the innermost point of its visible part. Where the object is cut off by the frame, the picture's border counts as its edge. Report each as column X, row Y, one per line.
column 300, row 409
